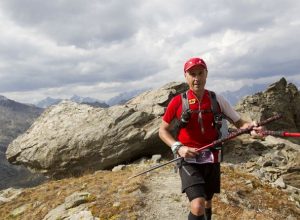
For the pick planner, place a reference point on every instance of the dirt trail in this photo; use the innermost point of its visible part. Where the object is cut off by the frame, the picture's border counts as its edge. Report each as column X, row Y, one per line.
column 163, row 197
column 243, row 197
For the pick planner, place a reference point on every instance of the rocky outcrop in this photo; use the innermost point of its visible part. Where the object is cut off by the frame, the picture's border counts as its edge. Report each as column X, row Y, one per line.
column 9, row 194
column 73, row 207
column 69, row 138
column 273, row 160
column 280, row 97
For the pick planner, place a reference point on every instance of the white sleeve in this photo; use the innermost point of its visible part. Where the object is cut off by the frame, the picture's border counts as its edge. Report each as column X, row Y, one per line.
column 227, row 109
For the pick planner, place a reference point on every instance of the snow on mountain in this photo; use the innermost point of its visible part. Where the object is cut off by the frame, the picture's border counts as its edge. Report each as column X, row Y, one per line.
column 124, row 97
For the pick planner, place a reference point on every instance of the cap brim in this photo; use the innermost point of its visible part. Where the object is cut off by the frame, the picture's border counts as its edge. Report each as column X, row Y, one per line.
column 193, row 65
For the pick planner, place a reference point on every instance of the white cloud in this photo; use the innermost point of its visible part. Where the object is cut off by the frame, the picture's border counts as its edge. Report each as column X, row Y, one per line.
column 101, row 48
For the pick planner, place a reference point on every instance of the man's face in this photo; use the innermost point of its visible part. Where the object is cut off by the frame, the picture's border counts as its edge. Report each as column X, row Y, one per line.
column 196, row 78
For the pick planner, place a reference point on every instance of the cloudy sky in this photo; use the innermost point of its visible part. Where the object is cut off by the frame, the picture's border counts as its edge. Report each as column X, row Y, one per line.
column 100, row 48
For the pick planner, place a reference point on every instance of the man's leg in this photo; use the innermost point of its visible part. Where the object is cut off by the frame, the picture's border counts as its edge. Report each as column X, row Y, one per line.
column 208, row 211
column 198, row 206
column 199, row 209
column 196, row 197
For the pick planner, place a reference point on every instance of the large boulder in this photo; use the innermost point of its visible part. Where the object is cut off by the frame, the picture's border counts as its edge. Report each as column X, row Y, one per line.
column 280, row 97
column 70, row 138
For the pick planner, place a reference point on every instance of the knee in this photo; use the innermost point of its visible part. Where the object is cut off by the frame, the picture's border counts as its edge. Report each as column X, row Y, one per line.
column 198, row 206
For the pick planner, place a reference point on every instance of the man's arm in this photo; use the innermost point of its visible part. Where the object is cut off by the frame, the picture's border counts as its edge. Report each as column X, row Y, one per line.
column 241, row 123
column 256, row 132
column 235, row 118
column 166, row 136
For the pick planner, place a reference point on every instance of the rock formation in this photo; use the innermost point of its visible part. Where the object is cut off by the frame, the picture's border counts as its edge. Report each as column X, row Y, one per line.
column 69, row 138
column 273, row 160
column 280, row 97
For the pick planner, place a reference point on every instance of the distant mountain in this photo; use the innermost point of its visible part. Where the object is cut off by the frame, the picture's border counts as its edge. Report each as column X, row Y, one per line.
column 235, row 96
column 3, row 98
column 89, row 101
column 15, row 119
column 79, row 99
column 45, row 103
column 124, row 97
column 116, row 100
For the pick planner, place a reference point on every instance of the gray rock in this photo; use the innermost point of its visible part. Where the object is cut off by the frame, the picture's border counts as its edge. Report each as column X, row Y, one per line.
column 76, row 199
column 259, row 174
column 72, row 207
column 141, row 161
column 69, row 138
column 156, row 158
column 279, row 97
column 20, row 210
column 291, row 218
column 280, row 183
column 249, row 184
column 118, row 168
column 86, row 215
column 116, row 204
column 9, row 194
column 267, row 163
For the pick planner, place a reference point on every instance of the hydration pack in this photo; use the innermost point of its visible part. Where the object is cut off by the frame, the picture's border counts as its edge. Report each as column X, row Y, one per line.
column 219, row 121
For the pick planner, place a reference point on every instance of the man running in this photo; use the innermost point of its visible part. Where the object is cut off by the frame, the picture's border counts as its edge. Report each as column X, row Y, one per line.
column 199, row 171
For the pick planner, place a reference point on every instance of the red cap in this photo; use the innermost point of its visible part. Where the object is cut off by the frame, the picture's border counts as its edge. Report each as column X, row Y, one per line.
column 194, row 62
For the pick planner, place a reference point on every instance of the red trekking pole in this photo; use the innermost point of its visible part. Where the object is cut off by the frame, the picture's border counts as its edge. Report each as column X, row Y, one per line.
column 281, row 133
column 219, row 141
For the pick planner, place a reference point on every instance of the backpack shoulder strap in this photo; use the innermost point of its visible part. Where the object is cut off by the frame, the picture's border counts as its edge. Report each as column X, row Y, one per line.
column 181, row 122
column 214, row 102
column 218, row 115
column 185, row 102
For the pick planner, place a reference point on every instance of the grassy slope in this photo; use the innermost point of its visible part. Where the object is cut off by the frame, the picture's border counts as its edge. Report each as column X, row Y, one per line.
column 259, row 201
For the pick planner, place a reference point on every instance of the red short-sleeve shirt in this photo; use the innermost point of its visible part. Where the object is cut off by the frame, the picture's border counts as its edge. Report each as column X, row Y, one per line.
column 191, row 135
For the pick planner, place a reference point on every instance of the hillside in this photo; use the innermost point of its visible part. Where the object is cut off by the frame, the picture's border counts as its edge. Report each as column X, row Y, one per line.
column 15, row 119
column 109, row 195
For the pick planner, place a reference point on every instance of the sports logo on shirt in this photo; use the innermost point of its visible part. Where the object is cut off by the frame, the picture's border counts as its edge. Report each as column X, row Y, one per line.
column 192, row 101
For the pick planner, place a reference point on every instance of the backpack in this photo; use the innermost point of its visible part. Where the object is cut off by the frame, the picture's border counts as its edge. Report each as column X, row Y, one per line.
column 219, row 118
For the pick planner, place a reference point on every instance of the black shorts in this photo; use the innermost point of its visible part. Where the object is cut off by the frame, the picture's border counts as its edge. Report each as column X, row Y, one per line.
column 200, row 180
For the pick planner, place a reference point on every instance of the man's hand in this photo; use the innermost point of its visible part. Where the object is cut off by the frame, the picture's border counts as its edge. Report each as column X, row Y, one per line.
column 186, row 152
column 257, row 130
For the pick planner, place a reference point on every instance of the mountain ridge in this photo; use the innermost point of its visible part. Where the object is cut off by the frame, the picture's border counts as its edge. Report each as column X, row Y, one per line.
column 15, row 119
